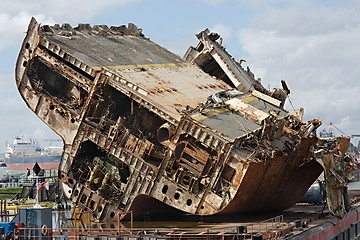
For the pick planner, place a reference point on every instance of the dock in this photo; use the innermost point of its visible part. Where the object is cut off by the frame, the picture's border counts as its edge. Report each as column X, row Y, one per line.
column 303, row 221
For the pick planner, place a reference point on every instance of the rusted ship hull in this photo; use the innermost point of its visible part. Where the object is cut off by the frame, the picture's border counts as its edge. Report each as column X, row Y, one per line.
column 275, row 185
column 200, row 135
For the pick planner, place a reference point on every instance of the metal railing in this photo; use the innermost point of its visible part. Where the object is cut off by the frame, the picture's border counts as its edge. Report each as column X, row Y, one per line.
column 270, row 229
column 101, row 233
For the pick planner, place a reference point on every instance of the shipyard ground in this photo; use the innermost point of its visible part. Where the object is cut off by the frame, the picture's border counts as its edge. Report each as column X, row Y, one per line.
column 303, row 221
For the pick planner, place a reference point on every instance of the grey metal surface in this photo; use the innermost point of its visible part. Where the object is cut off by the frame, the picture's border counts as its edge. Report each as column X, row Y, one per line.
column 267, row 107
column 174, row 87
column 104, row 47
column 230, row 123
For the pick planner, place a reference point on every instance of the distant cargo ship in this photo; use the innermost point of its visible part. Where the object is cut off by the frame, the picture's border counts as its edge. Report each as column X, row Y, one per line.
column 23, row 154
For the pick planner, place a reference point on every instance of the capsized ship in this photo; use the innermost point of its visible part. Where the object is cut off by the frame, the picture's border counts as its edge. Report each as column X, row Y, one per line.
column 145, row 130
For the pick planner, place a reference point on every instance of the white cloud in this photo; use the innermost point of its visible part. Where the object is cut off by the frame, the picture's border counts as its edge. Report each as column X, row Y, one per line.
column 15, row 15
column 263, row 3
column 316, row 51
column 213, row 3
column 308, row 20
column 14, row 27
column 222, row 29
column 65, row 9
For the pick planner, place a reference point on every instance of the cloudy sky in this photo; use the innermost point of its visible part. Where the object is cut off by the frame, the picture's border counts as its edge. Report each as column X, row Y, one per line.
column 312, row 44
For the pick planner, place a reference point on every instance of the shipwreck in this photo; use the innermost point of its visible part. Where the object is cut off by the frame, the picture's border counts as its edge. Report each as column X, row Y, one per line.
column 145, row 130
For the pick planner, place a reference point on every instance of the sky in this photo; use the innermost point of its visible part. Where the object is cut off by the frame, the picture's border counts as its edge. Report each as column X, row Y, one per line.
column 312, row 44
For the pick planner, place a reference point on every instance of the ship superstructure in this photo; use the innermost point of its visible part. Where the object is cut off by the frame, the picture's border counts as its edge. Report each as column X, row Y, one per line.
column 23, row 154
column 22, row 147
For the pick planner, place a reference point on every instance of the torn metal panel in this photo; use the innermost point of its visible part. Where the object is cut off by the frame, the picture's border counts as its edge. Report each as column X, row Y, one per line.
column 337, row 169
column 211, row 56
column 140, row 123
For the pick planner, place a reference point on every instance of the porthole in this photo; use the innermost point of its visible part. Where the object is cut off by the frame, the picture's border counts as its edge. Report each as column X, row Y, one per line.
column 165, row 189
column 177, row 196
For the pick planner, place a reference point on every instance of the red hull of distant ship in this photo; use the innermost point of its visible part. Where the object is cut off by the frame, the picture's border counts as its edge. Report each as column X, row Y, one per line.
column 24, row 166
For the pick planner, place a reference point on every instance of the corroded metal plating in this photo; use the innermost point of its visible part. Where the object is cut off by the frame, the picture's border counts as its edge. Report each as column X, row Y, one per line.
column 144, row 129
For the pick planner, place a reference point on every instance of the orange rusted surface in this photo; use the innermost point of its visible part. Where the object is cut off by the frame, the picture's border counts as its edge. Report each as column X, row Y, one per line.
column 199, row 134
